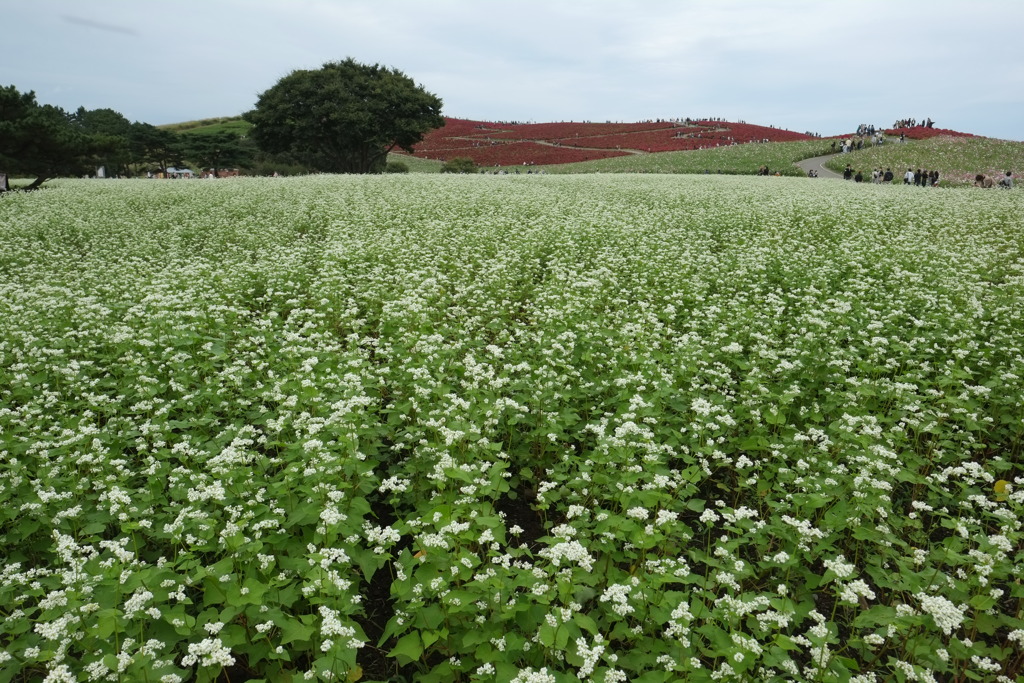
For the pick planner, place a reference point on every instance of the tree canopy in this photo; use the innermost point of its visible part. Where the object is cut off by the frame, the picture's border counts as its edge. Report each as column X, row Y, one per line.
column 151, row 145
column 110, row 132
column 42, row 140
column 216, row 150
column 344, row 117
column 45, row 141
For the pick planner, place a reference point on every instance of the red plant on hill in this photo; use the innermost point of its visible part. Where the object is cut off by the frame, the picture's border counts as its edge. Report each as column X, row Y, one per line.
column 646, row 141
column 518, row 154
column 559, row 131
column 923, row 132
column 746, row 132
column 516, row 143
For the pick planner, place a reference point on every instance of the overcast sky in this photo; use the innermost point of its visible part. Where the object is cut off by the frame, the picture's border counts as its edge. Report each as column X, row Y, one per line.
column 807, row 65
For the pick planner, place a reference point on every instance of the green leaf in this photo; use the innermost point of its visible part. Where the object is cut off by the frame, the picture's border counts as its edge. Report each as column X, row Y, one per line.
column 430, row 617
column 292, row 630
column 561, row 637
column 695, row 504
column 754, row 443
column 256, row 591
column 106, row 623
column 409, row 648
column 368, row 562
column 982, row 602
column 429, row 638
column 585, row 623
column 786, row 643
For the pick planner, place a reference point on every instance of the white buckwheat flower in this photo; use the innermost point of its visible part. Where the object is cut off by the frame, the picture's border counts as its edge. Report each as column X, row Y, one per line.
column 947, row 616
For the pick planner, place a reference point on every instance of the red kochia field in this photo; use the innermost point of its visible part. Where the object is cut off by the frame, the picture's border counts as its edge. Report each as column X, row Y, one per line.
column 923, row 132
column 507, row 144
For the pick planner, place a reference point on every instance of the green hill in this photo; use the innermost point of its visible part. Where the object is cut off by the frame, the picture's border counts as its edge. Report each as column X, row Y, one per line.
column 743, row 159
column 956, row 159
column 232, row 124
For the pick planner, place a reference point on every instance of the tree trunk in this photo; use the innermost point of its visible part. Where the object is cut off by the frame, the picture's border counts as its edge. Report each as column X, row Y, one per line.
column 36, row 183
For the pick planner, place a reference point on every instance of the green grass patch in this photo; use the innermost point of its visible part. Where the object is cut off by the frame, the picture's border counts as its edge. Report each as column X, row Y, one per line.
column 743, row 159
column 957, row 159
column 417, row 165
column 230, row 124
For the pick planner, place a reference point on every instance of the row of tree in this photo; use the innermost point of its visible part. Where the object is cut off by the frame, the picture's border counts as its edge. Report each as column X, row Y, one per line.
column 342, row 118
column 44, row 141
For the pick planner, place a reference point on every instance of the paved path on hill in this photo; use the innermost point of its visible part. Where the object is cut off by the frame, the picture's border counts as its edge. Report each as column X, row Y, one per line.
column 547, row 143
column 589, row 149
column 818, row 164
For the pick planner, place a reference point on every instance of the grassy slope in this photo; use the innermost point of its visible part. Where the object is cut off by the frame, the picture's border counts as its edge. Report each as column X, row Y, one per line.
column 736, row 159
column 233, row 124
column 417, row 165
column 957, row 160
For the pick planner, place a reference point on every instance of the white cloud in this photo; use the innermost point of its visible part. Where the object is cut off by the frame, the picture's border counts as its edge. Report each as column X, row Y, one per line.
column 803, row 64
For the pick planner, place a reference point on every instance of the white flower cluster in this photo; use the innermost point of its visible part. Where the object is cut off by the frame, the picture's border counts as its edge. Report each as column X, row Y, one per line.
column 947, row 616
column 528, row 675
column 570, row 551
column 840, row 567
column 209, row 652
column 618, row 595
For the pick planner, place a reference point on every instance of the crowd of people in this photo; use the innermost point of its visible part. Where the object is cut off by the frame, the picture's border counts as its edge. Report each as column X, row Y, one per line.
column 912, row 123
column 921, row 178
column 918, row 177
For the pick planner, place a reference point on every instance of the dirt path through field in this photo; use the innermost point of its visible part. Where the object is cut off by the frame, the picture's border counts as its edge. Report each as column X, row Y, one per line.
column 818, row 164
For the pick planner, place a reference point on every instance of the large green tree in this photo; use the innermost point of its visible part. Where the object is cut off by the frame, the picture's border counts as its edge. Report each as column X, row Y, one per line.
column 41, row 140
column 151, row 145
column 216, row 150
column 111, row 132
column 344, row 117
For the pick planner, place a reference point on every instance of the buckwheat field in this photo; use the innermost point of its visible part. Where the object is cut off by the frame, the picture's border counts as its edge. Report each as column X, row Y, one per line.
column 511, row 428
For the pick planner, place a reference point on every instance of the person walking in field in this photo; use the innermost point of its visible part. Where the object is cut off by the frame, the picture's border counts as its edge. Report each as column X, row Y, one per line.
column 908, row 177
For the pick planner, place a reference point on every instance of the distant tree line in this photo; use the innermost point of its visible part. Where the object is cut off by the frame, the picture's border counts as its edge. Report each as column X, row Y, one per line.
column 42, row 141
column 342, row 118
